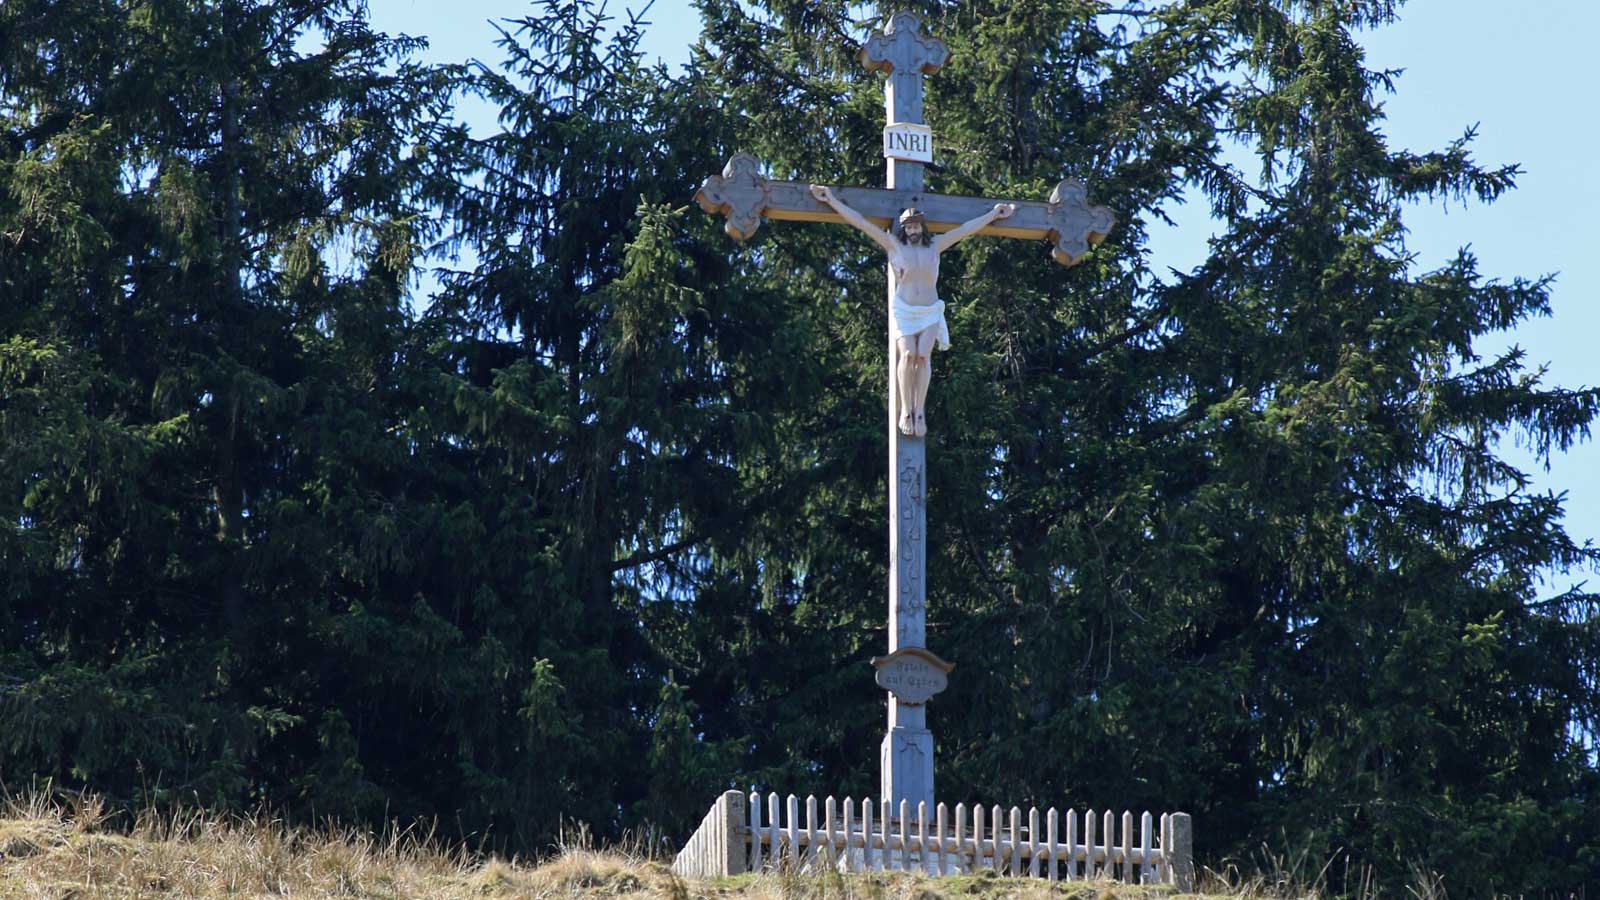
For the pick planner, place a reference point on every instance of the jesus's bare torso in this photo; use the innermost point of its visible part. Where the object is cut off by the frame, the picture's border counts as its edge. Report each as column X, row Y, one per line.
column 916, row 273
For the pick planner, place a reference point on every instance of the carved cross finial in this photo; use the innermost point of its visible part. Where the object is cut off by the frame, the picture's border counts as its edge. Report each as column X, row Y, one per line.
column 902, row 50
column 1074, row 225
column 740, row 193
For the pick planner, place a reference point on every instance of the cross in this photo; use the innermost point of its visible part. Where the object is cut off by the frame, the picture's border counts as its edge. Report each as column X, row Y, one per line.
column 910, row 672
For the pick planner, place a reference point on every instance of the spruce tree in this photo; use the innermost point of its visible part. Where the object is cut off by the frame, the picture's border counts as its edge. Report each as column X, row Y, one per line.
column 208, row 218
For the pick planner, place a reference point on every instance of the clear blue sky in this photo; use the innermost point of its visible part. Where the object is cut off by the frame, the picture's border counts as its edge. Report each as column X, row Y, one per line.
column 1522, row 77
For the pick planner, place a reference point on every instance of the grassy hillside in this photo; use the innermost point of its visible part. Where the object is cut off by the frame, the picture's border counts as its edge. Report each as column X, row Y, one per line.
column 69, row 851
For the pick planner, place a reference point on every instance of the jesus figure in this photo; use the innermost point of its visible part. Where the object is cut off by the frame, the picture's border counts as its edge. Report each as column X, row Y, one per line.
column 918, row 313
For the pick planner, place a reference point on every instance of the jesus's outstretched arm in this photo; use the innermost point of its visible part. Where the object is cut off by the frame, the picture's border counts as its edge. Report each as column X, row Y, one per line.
column 970, row 227
column 879, row 236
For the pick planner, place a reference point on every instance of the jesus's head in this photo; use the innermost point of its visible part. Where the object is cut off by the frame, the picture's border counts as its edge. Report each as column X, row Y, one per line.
column 911, row 229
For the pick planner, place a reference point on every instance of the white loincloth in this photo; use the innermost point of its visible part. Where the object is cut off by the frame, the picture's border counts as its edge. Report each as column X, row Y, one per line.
column 912, row 320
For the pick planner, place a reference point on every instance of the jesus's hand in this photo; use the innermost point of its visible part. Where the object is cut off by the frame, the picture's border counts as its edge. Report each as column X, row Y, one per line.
column 1004, row 210
column 822, row 192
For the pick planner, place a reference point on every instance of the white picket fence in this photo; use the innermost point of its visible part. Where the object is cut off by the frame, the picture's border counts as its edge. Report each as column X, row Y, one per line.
column 738, row 837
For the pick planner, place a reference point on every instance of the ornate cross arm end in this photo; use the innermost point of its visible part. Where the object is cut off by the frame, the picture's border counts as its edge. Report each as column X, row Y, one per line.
column 902, row 47
column 1075, row 226
column 740, row 193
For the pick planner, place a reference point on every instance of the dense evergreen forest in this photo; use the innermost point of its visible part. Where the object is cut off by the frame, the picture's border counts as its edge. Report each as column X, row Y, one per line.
column 590, row 523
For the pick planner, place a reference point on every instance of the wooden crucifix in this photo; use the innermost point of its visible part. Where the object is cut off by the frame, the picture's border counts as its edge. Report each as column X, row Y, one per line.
column 911, row 673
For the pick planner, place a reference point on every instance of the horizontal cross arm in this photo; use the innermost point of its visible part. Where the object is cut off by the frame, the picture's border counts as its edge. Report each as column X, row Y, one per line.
column 744, row 196
column 1033, row 221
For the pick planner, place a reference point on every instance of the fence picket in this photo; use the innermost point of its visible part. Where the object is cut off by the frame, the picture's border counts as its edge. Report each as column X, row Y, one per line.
column 1109, row 836
column 834, row 843
column 922, row 834
column 1072, row 845
column 849, row 834
column 980, row 854
column 1167, row 849
column 961, row 838
column 829, row 812
column 1127, row 846
column 775, row 845
column 1033, row 841
column 810, row 855
column 1015, row 856
column 755, row 832
column 1113, row 848
column 938, row 829
column 887, row 827
column 866, row 833
column 905, row 835
column 1050, row 838
column 1146, row 871
column 994, row 835
column 793, row 812
column 1089, row 849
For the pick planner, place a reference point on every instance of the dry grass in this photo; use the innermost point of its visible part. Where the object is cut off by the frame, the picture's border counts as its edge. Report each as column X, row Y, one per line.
column 63, row 850
column 60, row 850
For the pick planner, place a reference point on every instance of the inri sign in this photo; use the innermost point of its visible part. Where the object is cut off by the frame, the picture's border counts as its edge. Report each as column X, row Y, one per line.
column 905, row 140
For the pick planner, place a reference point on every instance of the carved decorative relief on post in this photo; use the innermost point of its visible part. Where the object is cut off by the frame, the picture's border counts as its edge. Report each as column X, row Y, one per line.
column 912, row 515
column 911, row 549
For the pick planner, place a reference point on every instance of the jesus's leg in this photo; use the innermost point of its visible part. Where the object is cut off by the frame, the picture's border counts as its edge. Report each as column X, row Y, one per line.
column 924, row 373
column 905, row 382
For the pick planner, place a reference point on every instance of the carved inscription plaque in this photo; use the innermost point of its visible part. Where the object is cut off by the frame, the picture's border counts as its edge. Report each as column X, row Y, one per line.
column 907, row 140
column 912, row 674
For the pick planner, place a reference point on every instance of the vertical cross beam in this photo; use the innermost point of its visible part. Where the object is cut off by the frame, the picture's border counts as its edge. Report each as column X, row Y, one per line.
column 906, row 54
column 906, row 757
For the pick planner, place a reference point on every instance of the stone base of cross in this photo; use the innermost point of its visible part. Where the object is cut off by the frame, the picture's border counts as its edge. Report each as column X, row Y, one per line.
column 911, row 673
